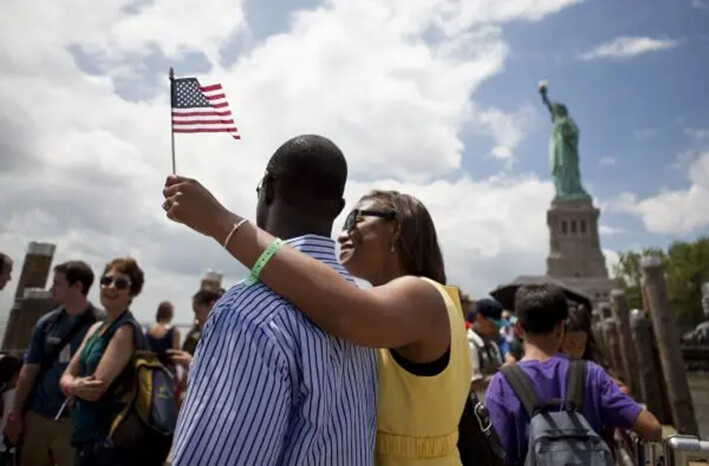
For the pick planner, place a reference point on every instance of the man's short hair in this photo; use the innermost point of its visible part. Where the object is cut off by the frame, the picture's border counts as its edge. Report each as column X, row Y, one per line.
column 540, row 308
column 205, row 297
column 77, row 271
column 309, row 168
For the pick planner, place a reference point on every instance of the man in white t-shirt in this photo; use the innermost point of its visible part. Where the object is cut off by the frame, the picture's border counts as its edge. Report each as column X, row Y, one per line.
column 486, row 322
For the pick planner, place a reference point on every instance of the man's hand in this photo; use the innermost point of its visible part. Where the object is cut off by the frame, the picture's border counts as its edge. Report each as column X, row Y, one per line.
column 14, row 428
column 88, row 388
column 180, row 358
column 190, row 203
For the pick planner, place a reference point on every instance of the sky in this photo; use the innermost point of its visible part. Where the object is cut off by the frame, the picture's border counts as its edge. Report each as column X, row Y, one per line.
column 437, row 98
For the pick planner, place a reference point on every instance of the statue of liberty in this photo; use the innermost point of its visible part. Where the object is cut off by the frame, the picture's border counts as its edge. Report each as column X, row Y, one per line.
column 563, row 151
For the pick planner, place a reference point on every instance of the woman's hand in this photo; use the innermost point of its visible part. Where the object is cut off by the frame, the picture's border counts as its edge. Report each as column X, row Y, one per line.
column 180, row 358
column 190, row 203
column 88, row 388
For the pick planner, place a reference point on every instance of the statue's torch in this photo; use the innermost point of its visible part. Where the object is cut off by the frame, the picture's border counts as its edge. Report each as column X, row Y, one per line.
column 543, row 87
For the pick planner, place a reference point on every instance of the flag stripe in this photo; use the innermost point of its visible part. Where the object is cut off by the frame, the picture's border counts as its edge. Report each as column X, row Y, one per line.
column 201, row 122
column 200, row 114
column 206, row 130
column 215, row 96
column 220, row 105
column 211, row 88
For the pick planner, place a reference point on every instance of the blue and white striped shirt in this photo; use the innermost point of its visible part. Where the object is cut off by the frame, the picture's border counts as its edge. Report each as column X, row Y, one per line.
column 269, row 387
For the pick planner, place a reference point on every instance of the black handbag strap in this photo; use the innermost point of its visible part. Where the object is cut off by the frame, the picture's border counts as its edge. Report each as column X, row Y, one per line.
column 482, row 415
column 575, row 381
column 522, row 387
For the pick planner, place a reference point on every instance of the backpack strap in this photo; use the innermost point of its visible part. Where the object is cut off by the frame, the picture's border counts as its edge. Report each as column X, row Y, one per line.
column 522, row 387
column 140, row 344
column 575, row 381
column 86, row 319
column 140, row 341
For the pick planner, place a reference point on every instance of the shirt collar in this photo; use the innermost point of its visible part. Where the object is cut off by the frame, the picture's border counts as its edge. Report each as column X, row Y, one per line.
column 312, row 245
column 475, row 338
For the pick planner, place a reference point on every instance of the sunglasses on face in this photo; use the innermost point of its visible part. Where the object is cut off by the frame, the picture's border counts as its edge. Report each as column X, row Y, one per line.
column 357, row 214
column 118, row 282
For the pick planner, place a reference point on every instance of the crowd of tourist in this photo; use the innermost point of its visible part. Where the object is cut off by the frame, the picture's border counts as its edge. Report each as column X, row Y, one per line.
column 296, row 364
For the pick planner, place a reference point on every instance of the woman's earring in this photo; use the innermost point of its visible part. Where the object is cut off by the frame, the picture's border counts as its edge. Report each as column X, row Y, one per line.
column 392, row 249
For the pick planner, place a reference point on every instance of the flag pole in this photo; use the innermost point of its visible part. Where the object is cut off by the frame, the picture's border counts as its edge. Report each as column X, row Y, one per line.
column 172, row 129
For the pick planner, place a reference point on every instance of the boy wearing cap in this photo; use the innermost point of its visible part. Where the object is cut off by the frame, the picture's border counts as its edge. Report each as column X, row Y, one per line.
column 483, row 336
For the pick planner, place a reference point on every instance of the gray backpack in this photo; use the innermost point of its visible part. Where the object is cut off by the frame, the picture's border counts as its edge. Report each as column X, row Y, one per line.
column 559, row 436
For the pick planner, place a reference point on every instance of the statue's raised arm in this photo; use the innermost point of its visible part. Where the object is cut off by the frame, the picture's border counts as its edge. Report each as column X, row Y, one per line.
column 545, row 99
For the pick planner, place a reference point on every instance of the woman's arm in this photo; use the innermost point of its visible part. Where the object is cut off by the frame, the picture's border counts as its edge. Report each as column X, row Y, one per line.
column 70, row 380
column 397, row 314
column 116, row 357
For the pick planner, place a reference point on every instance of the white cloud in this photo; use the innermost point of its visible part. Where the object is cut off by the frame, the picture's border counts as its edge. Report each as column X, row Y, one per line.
column 699, row 4
column 645, row 134
column 502, row 152
column 114, row 32
column 358, row 72
column 459, row 13
column 479, row 225
column 698, row 134
column 606, row 230
column 508, row 129
column 612, row 259
column 673, row 212
column 627, row 47
column 607, row 161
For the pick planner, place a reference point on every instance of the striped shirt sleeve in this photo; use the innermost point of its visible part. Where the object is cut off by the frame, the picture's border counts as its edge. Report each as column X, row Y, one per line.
column 238, row 402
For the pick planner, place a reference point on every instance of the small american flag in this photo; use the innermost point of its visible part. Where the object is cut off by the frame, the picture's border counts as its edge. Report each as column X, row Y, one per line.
column 200, row 109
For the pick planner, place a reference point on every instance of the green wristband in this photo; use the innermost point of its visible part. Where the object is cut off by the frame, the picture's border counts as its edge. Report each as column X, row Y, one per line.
column 266, row 255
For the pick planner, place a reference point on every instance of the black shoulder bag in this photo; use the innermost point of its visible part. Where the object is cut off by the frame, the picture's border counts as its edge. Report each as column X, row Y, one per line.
column 478, row 442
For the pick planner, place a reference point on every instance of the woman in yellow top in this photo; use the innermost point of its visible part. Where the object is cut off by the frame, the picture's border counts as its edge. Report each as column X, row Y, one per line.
column 390, row 241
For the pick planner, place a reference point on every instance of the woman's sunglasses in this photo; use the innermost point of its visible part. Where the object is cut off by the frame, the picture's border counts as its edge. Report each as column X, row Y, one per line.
column 356, row 214
column 118, row 282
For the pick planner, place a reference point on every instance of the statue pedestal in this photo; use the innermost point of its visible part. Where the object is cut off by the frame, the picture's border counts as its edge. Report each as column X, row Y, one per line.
column 575, row 255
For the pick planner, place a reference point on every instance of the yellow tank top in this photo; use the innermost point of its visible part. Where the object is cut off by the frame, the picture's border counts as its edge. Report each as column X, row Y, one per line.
column 417, row 417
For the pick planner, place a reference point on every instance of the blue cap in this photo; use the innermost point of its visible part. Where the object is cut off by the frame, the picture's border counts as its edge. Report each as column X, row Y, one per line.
column 492, row 310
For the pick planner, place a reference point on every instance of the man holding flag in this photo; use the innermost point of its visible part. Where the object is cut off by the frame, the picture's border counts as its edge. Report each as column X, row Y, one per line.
column 267, row 386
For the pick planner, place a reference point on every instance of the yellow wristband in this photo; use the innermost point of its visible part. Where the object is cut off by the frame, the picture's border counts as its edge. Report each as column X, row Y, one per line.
column 266, row 255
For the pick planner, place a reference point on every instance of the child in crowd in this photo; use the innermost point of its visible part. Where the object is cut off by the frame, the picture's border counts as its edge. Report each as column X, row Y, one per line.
column 541, row 312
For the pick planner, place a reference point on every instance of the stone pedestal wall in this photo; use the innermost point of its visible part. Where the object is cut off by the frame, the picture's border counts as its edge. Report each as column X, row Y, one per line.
column 574, row 249
column 597, row 289
column 575, row 255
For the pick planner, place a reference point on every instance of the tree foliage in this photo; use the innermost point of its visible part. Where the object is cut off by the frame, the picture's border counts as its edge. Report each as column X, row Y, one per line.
column 686, row 268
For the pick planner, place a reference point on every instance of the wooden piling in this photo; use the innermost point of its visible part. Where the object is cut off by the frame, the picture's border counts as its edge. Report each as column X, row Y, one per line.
column 668, row 342
column 628, row 353
column 650, row 384
column 611, row 337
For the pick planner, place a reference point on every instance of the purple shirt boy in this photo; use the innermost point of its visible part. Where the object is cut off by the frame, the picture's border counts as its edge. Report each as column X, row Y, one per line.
column 604, row 405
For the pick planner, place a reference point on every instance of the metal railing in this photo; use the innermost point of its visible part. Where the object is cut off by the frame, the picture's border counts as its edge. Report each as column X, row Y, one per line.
column 680, row 450
column 676, row 450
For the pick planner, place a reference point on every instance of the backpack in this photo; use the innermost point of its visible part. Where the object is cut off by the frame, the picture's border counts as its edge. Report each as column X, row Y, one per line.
column 559, row 436
column 143, row 429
